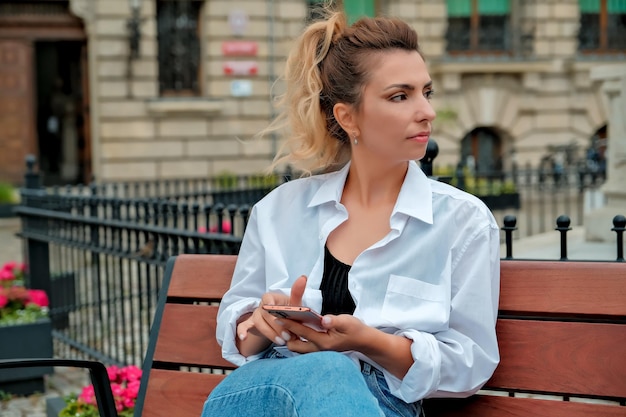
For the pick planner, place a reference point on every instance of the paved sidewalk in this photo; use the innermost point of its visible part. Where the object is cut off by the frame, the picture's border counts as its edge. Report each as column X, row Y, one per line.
column 62, row 382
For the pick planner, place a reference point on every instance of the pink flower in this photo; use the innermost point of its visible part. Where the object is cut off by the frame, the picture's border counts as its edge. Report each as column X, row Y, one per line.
column 6, row 274
column 113, row 372
column 201, row 229
column 9, row 266
column 88, row 395
column 226, row 227
column 4, row 300
column 38, row 297
column 131, row 373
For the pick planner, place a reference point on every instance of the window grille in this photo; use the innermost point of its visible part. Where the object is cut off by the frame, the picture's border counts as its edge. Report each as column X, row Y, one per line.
column 602, row 26
column 478, row 26
column 179, row 47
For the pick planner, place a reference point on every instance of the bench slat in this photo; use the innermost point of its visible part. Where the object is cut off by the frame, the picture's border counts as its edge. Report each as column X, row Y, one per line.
column 172, row 393
column 488, row 406
column 194, row 277
column 533, row 287
column 561, row 357
column 187, row 336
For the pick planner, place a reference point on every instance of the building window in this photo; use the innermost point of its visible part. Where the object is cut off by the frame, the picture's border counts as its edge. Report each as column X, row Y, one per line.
column 478, row 26
column 179, row 47
column 354, row 9
column 602, row 26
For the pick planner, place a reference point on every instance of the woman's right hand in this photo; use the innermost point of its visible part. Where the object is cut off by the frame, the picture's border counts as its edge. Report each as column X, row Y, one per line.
column 256, row 330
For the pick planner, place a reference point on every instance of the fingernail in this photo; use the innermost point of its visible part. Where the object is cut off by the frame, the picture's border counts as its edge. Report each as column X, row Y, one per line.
column 285, row 335
column 280, row 323
column 326, row 320
column 279, row 341
column 242, row 336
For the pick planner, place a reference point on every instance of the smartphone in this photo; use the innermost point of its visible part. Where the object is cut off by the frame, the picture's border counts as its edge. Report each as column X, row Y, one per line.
column 304, row 315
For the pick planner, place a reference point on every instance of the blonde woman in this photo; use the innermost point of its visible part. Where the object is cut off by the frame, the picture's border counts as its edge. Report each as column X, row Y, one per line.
column 403, row 269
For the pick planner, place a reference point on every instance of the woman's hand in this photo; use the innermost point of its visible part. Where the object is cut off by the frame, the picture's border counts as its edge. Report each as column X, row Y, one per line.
column 256, row 330
column 343, row 332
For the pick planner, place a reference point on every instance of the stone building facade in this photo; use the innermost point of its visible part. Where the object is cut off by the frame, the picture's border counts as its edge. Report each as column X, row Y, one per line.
column 498, row 100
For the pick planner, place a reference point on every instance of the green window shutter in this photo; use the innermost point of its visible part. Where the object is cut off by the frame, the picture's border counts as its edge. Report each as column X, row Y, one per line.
column 459, row 8
column 356, row 9
column 589, row 6
column 494, row 7
column 616, row 6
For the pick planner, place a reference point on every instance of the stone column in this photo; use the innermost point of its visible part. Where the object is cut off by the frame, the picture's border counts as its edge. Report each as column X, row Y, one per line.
column 598, row 223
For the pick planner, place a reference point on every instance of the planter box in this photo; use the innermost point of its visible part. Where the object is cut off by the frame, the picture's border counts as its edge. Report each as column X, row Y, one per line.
column 54, row 405
column 502, row 201
column 21, row 342
column 6, row 210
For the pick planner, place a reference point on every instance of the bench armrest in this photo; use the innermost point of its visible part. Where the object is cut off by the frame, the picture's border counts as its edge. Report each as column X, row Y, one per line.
column 97, row 372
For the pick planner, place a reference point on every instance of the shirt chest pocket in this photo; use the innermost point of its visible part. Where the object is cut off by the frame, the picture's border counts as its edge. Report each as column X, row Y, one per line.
column 413, row 304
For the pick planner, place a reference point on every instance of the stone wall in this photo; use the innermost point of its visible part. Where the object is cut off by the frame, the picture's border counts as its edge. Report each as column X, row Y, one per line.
column 545, row 98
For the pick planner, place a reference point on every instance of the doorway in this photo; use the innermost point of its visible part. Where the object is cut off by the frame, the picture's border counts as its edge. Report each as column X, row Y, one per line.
column 62, row 112
column 481, row 151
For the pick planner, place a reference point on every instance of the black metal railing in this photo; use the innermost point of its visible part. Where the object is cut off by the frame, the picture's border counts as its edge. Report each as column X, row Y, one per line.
column 100, row 250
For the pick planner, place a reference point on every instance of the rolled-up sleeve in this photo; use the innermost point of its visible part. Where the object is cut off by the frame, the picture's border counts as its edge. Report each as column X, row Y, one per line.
column 244, row 295
column 458, row 361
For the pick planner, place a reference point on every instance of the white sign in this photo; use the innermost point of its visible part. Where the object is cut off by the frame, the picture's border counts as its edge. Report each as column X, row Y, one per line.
column 238, row 21
column 241, row 88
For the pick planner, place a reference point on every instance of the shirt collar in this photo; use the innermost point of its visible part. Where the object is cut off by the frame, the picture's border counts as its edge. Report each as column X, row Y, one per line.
column 415, row 198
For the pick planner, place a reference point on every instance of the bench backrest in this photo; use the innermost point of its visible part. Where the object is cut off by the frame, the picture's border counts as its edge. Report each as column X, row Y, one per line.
column 561, row 331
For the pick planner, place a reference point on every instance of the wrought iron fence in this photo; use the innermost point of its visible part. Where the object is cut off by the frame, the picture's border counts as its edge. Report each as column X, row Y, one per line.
column 100, row 250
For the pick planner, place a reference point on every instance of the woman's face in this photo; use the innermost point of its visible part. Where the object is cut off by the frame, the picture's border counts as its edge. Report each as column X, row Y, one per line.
column 395, row 116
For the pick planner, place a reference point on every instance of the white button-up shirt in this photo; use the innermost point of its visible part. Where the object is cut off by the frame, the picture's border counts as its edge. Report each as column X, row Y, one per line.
column 434, row 278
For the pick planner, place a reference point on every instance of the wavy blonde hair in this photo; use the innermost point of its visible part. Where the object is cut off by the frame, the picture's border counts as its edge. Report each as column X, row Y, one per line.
column 329, row 64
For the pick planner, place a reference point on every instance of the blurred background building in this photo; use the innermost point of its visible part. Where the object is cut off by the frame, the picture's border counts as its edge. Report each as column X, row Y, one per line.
column 145, row 89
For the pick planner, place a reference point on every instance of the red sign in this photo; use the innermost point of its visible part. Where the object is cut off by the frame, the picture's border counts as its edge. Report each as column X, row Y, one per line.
column 240, row 68
column 240, row 48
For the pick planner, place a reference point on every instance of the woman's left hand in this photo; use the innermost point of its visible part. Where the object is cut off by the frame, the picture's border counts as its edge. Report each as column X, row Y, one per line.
column 343, row 332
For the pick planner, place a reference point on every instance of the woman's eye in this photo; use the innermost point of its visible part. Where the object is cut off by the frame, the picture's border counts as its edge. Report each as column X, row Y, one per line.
column 429, row 94
column 399, row 97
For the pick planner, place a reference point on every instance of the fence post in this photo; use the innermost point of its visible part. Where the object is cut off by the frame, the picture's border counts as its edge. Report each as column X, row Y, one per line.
column 432, row 150
column 37, row 252
column 619, row 225
column 510, row 223
column 562, row 225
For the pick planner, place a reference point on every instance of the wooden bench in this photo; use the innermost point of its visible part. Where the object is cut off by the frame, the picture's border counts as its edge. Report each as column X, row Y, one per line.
column 561, row 331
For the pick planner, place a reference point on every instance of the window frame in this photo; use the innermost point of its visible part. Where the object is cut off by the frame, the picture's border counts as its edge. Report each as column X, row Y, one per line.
column 183, row 92
column 474, row 47
column 603, row 39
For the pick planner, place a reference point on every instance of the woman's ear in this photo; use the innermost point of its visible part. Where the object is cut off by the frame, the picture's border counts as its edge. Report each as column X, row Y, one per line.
column 344, row 114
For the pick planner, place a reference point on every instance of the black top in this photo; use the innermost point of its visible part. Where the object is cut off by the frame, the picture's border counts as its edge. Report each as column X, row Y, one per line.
column 336, row 298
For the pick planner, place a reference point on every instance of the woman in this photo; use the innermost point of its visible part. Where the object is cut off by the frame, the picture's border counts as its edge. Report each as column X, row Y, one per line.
column 405, row 270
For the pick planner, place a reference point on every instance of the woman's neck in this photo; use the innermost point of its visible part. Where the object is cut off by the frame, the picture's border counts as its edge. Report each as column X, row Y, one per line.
column 370, row 185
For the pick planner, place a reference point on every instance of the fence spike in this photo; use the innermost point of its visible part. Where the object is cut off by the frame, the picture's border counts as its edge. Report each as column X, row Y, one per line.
column 562, row 225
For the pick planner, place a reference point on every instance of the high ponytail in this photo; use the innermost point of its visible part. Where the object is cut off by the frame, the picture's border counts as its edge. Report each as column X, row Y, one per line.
column 328, row 65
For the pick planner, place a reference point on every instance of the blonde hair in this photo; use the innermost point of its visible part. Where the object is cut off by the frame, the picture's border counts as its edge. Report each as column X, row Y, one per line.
column 329, row 64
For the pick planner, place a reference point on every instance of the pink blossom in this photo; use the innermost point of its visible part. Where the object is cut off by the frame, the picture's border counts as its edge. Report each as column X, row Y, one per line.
column 131, row 373
column 9, row 266
column 38, row 297
column 132, row 390
column 88, row 395
column 201, row 229
column 113, row 372
column 4, row 300
column 6, row 274
column 226, row 227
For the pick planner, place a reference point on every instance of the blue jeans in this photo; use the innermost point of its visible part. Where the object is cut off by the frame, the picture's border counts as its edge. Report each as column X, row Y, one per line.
column 313, row 385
